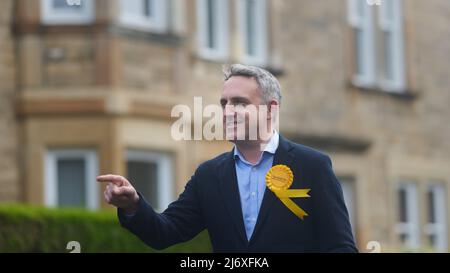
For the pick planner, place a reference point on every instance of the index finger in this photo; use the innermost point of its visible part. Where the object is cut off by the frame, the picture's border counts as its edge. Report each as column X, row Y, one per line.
column 115, row 179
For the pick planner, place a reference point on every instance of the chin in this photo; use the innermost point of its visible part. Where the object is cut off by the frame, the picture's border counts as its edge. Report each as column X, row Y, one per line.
column 231, row 137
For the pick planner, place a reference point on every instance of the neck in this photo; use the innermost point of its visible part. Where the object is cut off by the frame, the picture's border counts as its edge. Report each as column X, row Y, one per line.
column 252, row 150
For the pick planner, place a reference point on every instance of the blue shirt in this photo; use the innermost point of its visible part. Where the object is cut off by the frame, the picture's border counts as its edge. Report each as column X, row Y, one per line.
column 251, row 180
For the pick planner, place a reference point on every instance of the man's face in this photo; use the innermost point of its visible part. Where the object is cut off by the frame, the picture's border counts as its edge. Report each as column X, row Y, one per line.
column 240, row 98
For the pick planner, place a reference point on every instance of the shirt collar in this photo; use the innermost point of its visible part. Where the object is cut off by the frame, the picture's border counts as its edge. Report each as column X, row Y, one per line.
column 271, row 146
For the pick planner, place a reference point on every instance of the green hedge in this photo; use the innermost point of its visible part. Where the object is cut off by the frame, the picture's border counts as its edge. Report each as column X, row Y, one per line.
column 37, row 229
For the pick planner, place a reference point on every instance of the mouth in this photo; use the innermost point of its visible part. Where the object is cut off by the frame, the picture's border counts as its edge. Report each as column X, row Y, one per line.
column 234, row 123
column 234, row 126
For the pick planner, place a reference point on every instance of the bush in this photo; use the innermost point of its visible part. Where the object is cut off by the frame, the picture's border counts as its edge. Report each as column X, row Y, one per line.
column 37, row 229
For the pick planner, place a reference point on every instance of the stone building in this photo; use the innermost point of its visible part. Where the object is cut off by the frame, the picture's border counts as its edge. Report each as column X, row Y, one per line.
column 9, row 144
column 89, row 89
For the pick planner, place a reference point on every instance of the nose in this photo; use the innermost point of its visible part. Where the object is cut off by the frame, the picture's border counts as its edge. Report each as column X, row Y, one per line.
column 229, row 114
column 229, row 110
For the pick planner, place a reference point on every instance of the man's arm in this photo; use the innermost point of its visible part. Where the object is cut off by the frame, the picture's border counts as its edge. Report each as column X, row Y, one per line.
column 334, row 230
column 180, row 222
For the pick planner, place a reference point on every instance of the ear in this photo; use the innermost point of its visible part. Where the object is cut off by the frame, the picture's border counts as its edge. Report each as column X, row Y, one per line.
column 273, row 108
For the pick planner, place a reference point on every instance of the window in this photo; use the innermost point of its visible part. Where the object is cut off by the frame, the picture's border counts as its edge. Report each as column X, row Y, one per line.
column 212, row 27
column 348, row 188
column 70, row 178
column 55, row 12
column 384, row 43
column 147, row 15
column 252, row 23
column 390, row 23
column 436, row 228
column 408, row 218
column 151, row 175
column 361, row 21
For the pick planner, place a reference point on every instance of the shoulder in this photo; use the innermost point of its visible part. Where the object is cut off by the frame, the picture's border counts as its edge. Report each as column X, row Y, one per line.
column 308, row 155
column 212, row 165
column 315, row 164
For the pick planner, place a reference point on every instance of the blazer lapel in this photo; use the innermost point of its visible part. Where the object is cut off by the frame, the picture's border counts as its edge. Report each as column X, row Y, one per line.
column 282, row 156
column 230, row 193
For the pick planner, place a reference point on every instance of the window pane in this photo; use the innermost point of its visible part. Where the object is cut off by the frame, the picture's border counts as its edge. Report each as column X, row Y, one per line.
column 348, row 190
column 360, row 5
column 431, row 206
column 250, row 8
column 211, row 23
column 432, row 240
column 389, row 9
column 148, row 8
column 404, row 238
column 64, row 4
column 402, row 198
column 388, row 55
column 71, row 182
column 73, row 12
column 143, row 176
column 132, row 7
column 408, row 217
column 359, row 51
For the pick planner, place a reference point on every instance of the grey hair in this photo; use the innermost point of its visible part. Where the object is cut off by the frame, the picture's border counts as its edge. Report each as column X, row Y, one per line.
column 268, row 84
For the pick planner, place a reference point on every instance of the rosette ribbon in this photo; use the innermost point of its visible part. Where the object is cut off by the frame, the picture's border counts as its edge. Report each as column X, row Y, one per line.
column 279, row 179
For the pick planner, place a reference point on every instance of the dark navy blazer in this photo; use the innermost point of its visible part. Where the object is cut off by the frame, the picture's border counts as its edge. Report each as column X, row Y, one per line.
column 211, row 201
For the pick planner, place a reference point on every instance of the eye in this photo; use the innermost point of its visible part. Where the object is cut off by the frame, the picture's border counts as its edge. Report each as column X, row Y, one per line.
column 240, row 103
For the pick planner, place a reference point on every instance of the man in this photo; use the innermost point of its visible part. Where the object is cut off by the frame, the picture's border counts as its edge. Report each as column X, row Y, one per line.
column 266, row 195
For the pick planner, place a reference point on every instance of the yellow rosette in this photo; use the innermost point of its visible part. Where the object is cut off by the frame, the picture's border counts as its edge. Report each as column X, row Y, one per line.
column 279, row 179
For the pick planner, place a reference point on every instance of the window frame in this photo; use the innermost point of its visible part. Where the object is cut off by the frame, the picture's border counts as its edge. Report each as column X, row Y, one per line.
column 364, row 23
column 374, row 77
column 158, row 24
column 221, row 52
column 439, row 229
column 52, row 16
column 50, row 180
column 412, row 226
column 261, row 37
column 165, row 179
column 395, row 27
column 348, row 186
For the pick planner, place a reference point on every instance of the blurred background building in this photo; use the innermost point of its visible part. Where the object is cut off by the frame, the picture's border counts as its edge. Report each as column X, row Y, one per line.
column 88, row 89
